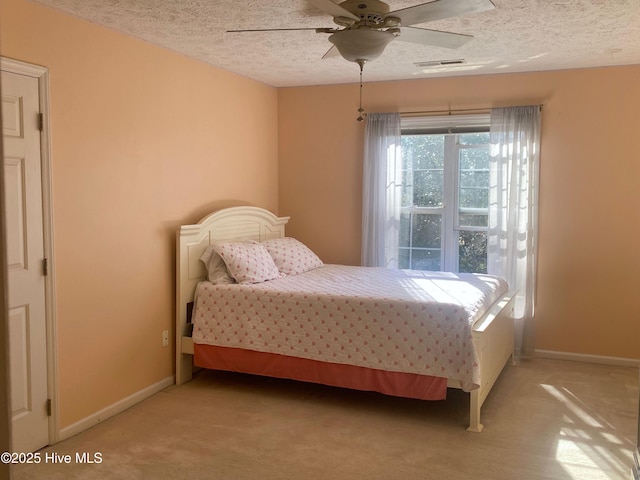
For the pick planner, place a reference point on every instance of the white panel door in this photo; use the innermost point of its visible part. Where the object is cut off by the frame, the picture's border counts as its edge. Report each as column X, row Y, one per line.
column 25, row 257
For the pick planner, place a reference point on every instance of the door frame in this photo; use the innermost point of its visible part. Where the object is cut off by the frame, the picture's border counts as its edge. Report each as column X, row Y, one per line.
column 42, row 75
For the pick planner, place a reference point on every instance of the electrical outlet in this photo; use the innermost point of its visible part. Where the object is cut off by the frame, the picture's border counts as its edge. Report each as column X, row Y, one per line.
column 165, row 338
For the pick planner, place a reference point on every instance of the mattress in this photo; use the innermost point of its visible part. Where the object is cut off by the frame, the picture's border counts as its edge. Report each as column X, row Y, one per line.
column 404, row 321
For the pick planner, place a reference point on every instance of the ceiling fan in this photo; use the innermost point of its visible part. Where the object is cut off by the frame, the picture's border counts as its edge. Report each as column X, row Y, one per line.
column 369, row 25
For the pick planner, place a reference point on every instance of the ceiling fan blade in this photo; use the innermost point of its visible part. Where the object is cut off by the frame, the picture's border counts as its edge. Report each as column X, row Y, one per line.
column 332, row 9
column 331, row 53
column 434, row 38
column 269, row 30
column 439, row 9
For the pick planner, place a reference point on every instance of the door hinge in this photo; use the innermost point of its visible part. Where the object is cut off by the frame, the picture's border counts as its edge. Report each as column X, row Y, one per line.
column 45, row 266
column 48, row 407
column 41, row 122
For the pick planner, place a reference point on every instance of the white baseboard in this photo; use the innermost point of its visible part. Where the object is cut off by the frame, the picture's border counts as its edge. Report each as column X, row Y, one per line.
column 580, row 357
column 114, row 409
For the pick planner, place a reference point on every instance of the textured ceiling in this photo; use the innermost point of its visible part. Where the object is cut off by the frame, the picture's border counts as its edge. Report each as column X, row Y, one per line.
column 517, row 36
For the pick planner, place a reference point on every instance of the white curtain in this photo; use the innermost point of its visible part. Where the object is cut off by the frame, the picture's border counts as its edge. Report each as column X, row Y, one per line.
column 382, row 174
column 513, row 210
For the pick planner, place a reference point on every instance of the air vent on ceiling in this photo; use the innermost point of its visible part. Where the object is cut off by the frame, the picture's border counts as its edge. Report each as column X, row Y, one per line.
column 440, row 63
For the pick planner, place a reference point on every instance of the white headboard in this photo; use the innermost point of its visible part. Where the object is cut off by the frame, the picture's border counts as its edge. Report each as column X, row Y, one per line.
column 229, row 224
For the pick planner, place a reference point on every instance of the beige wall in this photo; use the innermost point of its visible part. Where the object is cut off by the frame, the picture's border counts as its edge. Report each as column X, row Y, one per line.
column 143, row 140
column 589, row 267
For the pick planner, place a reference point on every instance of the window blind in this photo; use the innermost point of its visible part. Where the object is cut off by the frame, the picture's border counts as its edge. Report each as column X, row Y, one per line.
column 445, row 124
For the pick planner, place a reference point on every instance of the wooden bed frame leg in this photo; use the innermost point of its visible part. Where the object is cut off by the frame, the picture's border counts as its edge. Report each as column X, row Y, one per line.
column 474, row 413
column 184, row 368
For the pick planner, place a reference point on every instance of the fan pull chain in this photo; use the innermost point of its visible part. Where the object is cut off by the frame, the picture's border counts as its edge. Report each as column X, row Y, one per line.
column 360, row 109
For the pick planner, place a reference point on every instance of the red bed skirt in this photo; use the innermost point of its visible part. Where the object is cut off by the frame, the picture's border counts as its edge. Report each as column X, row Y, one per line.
column 398, row 384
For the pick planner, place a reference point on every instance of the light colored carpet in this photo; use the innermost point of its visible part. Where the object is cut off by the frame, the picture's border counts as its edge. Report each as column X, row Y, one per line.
column 545, row 419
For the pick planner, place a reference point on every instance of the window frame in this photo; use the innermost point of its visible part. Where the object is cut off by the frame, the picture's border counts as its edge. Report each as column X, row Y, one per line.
column 450, row 126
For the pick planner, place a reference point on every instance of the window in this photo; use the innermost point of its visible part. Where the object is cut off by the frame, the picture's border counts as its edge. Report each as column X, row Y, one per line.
column 445, row 194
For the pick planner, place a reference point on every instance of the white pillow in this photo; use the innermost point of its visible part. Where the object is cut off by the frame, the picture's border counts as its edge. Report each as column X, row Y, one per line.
column 291, row 256
column 216, row 268
column 247, row 262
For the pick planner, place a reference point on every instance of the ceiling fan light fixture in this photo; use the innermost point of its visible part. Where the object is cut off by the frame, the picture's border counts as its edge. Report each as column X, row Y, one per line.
column 361, row 44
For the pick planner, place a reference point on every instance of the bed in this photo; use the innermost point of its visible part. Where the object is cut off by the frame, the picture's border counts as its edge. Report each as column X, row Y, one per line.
column 405, row 333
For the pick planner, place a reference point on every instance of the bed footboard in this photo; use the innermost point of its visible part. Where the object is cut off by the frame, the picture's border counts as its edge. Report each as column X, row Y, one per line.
column 494, row 341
